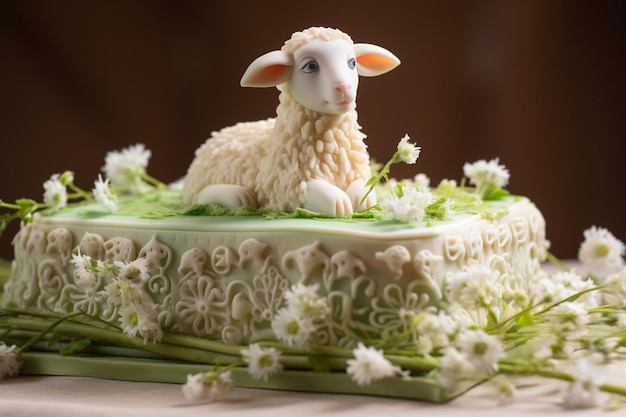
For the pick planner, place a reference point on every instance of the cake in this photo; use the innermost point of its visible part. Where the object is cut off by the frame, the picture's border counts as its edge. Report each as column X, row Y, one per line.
column 284, row 261
column 225, row 275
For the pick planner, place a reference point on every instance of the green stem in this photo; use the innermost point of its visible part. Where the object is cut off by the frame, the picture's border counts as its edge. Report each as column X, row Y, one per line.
column 557, row 262
column 45, row 331
column 383, row 173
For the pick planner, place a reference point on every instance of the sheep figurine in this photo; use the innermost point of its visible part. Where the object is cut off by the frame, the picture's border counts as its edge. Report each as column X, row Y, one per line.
column 312, row 155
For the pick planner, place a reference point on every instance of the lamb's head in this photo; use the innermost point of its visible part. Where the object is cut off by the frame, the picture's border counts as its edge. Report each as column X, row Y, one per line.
column 320, row 67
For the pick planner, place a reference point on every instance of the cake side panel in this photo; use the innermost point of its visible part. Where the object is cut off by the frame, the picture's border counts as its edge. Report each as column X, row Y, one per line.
column 230, row 286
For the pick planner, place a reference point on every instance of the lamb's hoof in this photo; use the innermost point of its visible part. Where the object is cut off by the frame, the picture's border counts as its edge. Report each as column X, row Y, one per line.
column 324, row 197
column 226, row 195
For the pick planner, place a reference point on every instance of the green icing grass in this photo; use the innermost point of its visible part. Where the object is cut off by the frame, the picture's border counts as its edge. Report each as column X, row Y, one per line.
column 164, row 203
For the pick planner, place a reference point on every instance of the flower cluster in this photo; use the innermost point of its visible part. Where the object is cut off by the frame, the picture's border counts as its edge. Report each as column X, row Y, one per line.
column 207, row 387
column 9, row 362
column 125, row 171
column 295, row 324
column 125, row 292
column 486, row 175
column 369, row 364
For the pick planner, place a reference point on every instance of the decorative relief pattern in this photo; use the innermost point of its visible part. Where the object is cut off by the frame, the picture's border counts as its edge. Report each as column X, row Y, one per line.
column 231, row 292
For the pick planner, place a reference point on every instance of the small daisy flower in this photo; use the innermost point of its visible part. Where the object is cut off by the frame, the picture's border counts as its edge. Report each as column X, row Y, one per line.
column 369, row 364
column 421, row 182
column 293, row 329
column 484, row 174
column 262, row 362
column 104, row 195
column 481, row 349
column 55, row 193
column 407, row 152
column 505, row 387
column 410, row 207
column 569, row 317
column 475, row 287
column 84, row 270
column 584, row 391
column 305, row 301
column 9, row 363
column 601, row 253
column 136, row 319
column 135, row 272
column 613, row 291
column 434, row 332
column 126, row 168
column 454, row 367
column 209, row 386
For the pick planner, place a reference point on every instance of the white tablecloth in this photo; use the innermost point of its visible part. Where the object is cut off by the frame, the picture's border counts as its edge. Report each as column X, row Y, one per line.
column 43, row 396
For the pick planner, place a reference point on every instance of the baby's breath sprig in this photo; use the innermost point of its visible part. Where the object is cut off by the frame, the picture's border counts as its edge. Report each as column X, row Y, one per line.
column 406, row 152
column 125, row 170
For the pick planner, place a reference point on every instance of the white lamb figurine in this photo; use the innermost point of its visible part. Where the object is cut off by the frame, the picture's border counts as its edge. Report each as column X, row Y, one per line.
column 312, row 155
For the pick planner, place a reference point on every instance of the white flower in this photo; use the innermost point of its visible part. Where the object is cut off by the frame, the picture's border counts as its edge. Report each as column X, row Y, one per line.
column 410, row 207
column 84, row 270
column 126, row 168
column 305, row 301
column 293, row 329
column 408, row 152
column 505, row 387
column 103, row 194
column 262, row 362
column 421, row 182
column 601, row 253
column 122, row 293
column 584, row 392
column 369, row 364
column 434, row 332
column 475, row 287
column 613, row 290
column 55, row 193
column 209, row 386
column 480, row 349
column 453, row 369
column 135, row 272
column 137, row 319
column 484, row 174
column 569, row 317
column 9, row 363
column 561, row 285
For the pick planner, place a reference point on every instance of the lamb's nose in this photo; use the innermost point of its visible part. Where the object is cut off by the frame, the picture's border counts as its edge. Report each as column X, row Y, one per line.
column 342, row 87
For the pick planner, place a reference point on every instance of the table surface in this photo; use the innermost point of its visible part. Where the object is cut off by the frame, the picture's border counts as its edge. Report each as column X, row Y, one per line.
column 43, row 396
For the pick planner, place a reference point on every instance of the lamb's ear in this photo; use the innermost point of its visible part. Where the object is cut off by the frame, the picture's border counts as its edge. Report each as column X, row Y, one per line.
column 373, row 60
column 268, row 70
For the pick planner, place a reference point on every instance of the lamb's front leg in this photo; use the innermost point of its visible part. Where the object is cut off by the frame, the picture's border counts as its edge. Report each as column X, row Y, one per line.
column 226, row 195
column 357, row 191
column 324, row 197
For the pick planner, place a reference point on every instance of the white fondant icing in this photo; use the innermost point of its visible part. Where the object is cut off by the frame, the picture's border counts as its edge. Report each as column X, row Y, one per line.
column 225, row 278
column 60, row 241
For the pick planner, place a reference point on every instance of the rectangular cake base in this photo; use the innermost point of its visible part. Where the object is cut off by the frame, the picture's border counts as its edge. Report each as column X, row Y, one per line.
column 168, row 371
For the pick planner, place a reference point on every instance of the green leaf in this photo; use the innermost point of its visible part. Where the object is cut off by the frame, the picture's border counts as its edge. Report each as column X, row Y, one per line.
column 318, row 364
column 525, row 319
column 75, row 344
column 493, row 193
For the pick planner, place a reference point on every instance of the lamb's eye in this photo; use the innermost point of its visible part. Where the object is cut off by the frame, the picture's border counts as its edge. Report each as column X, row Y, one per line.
column 352, row 63
column 310, row 66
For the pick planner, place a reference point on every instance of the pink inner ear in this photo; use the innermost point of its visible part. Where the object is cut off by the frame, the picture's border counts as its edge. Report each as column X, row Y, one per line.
column 270, row 75
column 376, row 61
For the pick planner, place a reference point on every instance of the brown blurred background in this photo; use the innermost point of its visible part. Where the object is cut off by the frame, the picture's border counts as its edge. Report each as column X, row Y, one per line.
column 539, row 84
